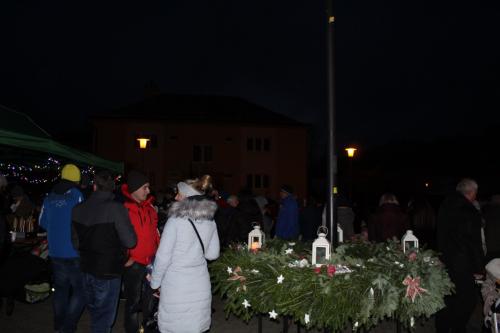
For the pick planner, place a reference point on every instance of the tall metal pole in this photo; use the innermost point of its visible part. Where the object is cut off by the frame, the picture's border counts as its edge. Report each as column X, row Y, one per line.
column 332, row 157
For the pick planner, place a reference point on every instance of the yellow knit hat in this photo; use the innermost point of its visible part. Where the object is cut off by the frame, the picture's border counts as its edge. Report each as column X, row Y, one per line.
column 70, row 172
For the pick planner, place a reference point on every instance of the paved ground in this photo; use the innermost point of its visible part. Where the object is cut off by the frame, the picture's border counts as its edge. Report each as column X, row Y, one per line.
column 37, row 318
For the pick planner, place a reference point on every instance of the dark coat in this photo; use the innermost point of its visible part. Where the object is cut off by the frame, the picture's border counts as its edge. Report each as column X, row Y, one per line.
column 387, row 222
column 248, row 213
column 459, row 236
column 226, row 221
column 101, row 233
column 310, row 220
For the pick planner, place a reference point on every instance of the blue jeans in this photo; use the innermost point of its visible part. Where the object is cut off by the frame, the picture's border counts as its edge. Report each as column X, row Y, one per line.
column 69, row 299
column 102, row 301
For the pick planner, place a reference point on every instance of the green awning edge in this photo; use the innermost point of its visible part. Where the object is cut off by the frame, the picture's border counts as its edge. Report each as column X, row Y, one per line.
column 48, row 145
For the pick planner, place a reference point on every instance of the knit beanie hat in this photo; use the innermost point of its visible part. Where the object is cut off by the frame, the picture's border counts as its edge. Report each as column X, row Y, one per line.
column 187, row 190
column 135, row 180
column 71, row 172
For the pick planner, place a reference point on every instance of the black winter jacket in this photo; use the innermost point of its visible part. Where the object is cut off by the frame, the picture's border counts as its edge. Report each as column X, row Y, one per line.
column 459, row 235
column 101, row 232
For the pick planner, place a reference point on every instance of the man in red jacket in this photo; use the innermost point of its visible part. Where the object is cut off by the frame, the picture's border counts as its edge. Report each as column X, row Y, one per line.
column 144, row 220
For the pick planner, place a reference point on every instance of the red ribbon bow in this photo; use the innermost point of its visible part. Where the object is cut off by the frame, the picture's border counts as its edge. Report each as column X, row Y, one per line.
column 237, row 277
column 413, row 287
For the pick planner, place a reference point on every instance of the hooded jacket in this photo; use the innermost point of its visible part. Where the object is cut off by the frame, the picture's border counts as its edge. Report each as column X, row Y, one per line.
column 180, row 267
column 144, row 219
column 55, row 218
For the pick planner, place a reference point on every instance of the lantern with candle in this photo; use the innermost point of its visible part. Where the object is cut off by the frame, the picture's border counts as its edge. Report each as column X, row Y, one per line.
column 256, row 238
column 321, row 247
column 409, row 242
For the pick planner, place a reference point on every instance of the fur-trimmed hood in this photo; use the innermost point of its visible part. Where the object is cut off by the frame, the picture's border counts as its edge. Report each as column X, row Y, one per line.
column 194, row 209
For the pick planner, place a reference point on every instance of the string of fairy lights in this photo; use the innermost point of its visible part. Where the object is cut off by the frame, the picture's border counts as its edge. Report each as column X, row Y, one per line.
column 44, row 172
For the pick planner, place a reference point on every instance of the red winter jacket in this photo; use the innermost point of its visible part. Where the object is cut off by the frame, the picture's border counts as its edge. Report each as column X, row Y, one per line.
column 145, row 221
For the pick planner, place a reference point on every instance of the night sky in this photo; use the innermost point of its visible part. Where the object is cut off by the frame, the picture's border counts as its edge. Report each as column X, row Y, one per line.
column 405, row 69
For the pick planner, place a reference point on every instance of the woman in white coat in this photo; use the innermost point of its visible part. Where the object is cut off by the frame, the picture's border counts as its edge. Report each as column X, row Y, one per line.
column 180, row 268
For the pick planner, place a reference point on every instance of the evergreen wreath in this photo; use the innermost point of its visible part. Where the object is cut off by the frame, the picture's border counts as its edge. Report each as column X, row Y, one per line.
column 362, row 284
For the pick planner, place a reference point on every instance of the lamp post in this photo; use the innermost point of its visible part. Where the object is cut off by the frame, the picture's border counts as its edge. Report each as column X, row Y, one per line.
column 143, row 145
column 332, row 157
column 351, row 151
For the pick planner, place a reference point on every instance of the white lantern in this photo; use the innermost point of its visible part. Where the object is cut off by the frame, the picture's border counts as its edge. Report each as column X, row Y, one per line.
column 255, row 238
column 409, row 242
column 321, row 247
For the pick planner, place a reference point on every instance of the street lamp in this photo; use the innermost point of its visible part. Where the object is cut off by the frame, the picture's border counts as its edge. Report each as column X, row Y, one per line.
column 143, row 145
column 143, row 142
column 351, row 151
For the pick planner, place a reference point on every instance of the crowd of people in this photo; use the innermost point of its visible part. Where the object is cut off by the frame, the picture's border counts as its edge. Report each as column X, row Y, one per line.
column 107, row 241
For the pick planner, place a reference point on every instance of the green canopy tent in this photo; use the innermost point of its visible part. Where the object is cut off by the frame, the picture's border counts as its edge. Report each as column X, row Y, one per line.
column 21, row 138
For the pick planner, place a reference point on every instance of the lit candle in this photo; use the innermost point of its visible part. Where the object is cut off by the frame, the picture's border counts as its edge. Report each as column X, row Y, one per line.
column 255, row 246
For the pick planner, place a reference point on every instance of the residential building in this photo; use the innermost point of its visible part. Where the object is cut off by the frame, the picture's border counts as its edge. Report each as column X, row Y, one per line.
column 239, row 143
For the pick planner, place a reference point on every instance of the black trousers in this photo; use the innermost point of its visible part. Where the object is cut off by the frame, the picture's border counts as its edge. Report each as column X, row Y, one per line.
column 459, row 306
column 139, row 297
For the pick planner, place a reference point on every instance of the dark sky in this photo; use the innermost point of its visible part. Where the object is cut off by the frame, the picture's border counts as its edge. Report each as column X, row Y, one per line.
column 405, row 69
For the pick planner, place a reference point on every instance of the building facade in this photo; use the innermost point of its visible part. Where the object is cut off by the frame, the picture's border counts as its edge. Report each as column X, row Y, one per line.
column 239, row 147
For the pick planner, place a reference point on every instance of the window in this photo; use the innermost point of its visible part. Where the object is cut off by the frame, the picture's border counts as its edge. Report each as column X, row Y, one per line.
column 267, row 144
column 258, row 144
column 249, row 181
column 250, row 144
column 196, row 153
column 207, row 154
column 265, row 181
column 202, row 153
column 154, row 141
column 257, row 181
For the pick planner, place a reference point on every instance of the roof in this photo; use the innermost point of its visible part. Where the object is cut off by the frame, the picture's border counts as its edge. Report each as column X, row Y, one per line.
column 200, row 109
column 22, row 139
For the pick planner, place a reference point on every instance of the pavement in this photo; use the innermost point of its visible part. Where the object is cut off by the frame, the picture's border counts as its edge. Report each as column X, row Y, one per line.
column 37, row 318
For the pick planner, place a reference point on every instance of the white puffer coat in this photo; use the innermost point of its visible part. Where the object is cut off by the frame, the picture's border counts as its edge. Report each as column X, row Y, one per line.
column 181, row 270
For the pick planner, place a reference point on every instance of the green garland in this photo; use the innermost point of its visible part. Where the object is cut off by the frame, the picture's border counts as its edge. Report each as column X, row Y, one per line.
column 363, row 284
